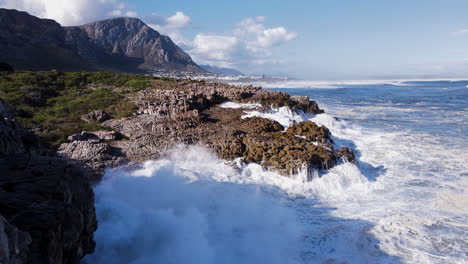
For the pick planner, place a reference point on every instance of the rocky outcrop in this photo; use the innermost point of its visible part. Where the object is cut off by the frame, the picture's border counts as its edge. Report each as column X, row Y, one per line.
column 14, row 243
column 52, row 202
column 46, row 206
column 263, row 141
column 119, row 44
column 98, row 116
column 310, row 131
column 188, row 112
column 13, row 138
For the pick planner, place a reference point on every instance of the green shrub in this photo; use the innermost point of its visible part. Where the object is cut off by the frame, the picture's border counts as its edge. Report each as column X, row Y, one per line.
column 55, row 100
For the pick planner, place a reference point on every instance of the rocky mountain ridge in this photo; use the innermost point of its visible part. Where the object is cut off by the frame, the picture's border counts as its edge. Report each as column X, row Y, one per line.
column 117, row 44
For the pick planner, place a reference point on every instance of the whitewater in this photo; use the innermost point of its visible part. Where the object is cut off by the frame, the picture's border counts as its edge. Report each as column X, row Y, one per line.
column 405, row 202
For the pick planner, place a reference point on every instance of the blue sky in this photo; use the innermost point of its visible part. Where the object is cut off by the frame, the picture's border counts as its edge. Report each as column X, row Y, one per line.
column 315, row 39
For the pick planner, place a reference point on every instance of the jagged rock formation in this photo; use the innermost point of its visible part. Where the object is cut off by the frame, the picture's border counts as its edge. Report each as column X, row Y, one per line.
column 119, row 44
column 46, row 206
column 189, row 113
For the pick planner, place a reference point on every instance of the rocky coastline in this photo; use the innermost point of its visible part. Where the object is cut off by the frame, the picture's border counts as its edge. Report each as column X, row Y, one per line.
column 47, row 210
column 190, row 113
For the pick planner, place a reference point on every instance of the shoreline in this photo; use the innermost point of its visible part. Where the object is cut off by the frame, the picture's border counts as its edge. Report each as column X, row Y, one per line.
column 166, row 113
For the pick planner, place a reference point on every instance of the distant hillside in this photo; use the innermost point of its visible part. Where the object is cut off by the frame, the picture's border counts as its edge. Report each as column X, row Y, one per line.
column 118, row 44
column 218, row 70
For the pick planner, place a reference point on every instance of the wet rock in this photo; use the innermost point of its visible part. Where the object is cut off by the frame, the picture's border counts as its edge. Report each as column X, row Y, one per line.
column 346, row 155
column 310, row 131
column 304, row 104
column 286, row 153
column 98, row 116
column 258, row 125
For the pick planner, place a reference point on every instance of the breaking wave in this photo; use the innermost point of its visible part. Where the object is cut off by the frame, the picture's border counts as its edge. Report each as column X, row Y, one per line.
column 405, row 203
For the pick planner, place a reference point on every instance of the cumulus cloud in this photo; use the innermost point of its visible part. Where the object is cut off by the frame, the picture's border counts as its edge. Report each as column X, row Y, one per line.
column 71, row 12
column 179, row 20
column 214, row 49
column 249, row 42
column 171, row 26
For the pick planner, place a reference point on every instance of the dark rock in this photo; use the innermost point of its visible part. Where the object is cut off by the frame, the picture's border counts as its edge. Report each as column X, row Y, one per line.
column 310, row 131
column 50, row 200
column 46, row 202
column 13, row 138
column 4, row 67
column 303, row 103
column 258, row 125
column 14, row 243
column 346, row 155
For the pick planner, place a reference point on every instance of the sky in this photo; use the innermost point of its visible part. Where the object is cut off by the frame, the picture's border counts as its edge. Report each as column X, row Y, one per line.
column 308, row 39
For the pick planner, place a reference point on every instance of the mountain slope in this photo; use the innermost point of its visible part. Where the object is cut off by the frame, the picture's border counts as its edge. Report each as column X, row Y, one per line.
column 118, row 44
column 218, row 70
column 27, row 42
column 132, row 39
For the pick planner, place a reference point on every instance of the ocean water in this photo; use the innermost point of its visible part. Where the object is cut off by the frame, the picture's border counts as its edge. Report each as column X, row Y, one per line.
column 406, row 201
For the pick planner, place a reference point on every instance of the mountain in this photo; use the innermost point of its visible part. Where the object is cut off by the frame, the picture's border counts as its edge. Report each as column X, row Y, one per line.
column 117, row 44
column 218, row 70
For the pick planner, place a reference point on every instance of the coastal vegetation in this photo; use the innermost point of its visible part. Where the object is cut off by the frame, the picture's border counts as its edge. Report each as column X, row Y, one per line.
column 52, row 102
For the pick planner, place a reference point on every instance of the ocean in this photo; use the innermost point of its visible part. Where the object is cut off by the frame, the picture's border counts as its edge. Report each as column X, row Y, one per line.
column 405, row 202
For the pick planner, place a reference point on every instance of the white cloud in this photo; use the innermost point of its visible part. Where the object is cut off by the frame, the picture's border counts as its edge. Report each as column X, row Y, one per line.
column 171, row 26
column 274, row 36
column 249, row 43
column 179, row 20
column 253, row 29
column 462, row 32
column 71, row 12
column 214, row 49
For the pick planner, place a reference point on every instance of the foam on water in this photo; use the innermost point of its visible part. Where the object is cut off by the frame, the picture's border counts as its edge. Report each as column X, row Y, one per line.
column 240, row 105
column 406, row 202
column 192, row 208
column 283, row 115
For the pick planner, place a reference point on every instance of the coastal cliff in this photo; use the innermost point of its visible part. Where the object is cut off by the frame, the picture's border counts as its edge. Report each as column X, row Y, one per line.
column 47, row 210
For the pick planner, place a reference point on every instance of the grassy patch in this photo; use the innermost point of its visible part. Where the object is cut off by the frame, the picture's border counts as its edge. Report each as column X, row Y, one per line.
column 55, row 101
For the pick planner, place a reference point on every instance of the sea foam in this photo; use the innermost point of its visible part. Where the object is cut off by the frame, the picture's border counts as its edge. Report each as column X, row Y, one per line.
column 403, row 204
